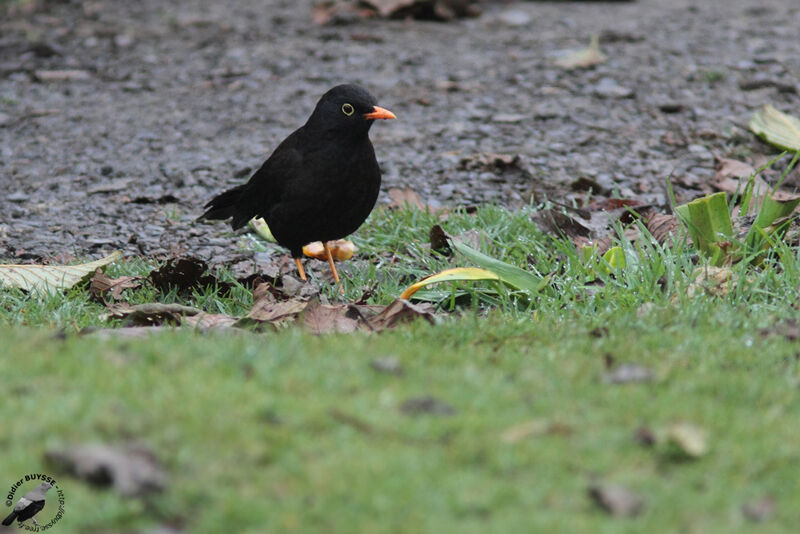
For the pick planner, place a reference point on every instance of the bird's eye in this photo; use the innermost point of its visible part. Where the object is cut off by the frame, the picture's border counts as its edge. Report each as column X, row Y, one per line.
column 347, row 109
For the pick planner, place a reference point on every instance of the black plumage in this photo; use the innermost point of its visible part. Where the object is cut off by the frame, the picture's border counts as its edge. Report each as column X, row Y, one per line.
column 322, row 181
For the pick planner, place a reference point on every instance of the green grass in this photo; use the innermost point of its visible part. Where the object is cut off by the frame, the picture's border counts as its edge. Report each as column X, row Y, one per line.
column 286, row 432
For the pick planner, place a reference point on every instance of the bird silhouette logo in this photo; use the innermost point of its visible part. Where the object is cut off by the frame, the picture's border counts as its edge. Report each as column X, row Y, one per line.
column 31, row 503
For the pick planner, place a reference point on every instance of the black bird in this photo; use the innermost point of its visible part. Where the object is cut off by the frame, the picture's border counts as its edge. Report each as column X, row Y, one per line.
column 322, row 181
column 29, row 505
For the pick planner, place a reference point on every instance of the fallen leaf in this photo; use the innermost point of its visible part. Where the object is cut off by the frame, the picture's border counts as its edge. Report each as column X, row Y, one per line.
column 44, row 278
column 472, row 238
column 627, row 373
column 450, row 275
column 759, row 510
column 536, row 427
column 686, row 440
column 732, row 177
column 494, row 163
column 341, row 250
column 441, row 10
column 131, row 470
column 732, row 168
column 584, row 58
column 339, row 11
column 776, row 128
column 268, row 309
column 438, row 239
column 208, row 321
column 402, row 198
column 273, row 312
column 261, row 228
column 617, row 500
column 387, row 364
column 664, row 228
column 150, row 314
column 426, row 404
column 321, row 318
column 789, row 329
column 645, row 437
column 716, row 281
column 401, row 311
column 184, row 274
column 101, row 284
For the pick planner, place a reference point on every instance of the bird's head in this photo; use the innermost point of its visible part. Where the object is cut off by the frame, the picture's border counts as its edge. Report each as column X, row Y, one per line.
column 347, row 108
column 45, row 486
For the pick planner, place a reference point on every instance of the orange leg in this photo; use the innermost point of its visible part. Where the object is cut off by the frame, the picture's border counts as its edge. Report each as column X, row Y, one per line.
column 330, row 261
column 299, row 263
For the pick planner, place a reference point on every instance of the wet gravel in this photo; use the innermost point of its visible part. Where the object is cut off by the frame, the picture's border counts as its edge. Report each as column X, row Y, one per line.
column 118, row 120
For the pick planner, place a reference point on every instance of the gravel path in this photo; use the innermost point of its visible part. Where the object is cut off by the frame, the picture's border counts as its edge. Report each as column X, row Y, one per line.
column 118, row 120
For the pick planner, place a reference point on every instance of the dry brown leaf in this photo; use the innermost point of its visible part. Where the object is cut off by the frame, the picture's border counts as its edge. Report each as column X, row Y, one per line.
column 150, row 314
column 405, row 197
column 102, row 284
column 321, row 318
column 426, row 404
column 536, row 427
column 208, row 321
column 184, row 274
column 271, row 311
column 438, row 240
column 732, row 168
column 732, row 176
column 627, row 373
column 617, row 500
column 493, row 162
column 131, row 470
column 759, row 510
column 715, row 281
column 664, row 228
column 401, row 311
column 425, row 9
column 330, row 11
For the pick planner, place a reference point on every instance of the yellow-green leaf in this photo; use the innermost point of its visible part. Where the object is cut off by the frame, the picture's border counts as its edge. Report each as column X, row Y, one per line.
column 450, row 275
column 581, row 59
column 776, row 128
column 614, row 260
column 43, row 278
column 510, row 274
column 260, row 227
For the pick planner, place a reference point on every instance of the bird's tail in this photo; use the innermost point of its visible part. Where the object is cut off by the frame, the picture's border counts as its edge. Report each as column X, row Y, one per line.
column 231, row 203
column 10, row 519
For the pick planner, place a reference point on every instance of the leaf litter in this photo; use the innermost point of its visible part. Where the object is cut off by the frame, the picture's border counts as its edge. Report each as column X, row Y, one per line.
column 277, row 304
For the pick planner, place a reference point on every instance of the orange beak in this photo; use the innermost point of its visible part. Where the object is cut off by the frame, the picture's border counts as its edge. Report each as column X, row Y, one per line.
column 379, row 113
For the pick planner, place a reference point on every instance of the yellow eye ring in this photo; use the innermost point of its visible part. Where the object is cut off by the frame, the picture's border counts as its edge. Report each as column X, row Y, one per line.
column 347, row 109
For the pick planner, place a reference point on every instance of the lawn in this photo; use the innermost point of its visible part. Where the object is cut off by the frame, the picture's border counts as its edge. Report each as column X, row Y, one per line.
column 498, row 418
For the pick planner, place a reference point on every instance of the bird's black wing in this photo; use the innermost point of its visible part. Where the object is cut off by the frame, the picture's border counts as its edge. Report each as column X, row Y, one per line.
column 263, row 190
column 268, row 184
column 31, row 510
